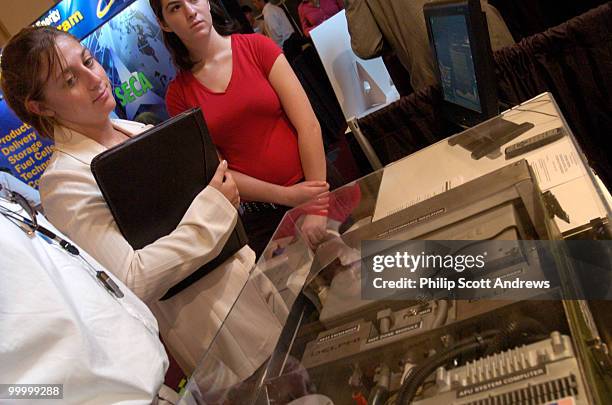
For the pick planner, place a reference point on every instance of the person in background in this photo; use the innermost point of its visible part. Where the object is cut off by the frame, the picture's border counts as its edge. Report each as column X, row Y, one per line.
column 59, row 324
column 314, row 12
column 277, row 25
column 376, row 26
column 51, row 81
column 256, row 24
column 257, row 112
column 10, row 182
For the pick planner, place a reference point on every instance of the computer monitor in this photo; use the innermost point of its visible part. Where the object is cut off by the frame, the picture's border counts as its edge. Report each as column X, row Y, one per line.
column 459, row 39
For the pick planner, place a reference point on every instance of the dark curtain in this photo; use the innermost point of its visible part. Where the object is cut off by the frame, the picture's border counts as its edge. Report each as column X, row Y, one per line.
column 574, row 62
column 528, row 17
column 411, row 123
column 311, row 74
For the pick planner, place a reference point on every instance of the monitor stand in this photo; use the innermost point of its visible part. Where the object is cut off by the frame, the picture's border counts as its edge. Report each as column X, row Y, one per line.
column 487, row 137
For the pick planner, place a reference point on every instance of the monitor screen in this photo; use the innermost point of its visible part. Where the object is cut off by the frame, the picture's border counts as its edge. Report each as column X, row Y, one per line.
column 455, row 60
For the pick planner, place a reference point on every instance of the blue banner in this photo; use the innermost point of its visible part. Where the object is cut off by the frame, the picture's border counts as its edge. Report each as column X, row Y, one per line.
column 131, row 50
column 81, row 17
column 22, row 150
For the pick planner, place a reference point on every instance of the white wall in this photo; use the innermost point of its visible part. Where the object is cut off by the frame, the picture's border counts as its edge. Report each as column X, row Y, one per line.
column 16, row 14
column 333, row 43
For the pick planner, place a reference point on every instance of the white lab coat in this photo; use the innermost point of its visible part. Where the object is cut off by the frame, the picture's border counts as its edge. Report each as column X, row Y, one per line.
column 188, row 321
column 58, row 325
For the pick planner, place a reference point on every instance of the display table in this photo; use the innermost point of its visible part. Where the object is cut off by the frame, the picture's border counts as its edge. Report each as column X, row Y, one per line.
column 317, row 293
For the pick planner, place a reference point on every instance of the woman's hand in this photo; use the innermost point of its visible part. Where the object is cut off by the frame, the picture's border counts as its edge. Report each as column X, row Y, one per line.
column 224, row 182
column 314, row 230
column 305, row 191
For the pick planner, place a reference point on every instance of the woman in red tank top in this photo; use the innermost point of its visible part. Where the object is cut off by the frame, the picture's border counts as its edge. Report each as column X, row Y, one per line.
column 257, row 112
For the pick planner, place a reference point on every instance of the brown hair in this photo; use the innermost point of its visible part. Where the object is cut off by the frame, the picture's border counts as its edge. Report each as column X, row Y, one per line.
column 223, row 24
column 26, row 64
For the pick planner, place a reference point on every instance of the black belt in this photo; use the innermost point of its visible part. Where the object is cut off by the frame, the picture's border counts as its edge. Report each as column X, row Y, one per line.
column 253, row 207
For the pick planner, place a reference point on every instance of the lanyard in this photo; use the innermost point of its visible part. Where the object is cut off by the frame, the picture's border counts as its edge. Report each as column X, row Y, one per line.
column 32, row 228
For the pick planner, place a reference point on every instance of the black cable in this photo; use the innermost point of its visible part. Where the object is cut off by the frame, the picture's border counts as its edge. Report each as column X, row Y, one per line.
column 516, row 331
column 415, row 379
column 31, row 226
column 35, row 227
column 378, row 396
column 507, row 105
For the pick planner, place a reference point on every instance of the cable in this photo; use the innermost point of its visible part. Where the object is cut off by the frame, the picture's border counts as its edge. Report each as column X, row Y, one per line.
column 34, row 227
column 492, row 341
column 534, row 111
column 515, row 108
column 31, row 227
column 392, row 400
column 511, row 104
column 380, row 393
column 441, row 314
column 505, row 104
column 513, row 332
column 419, row 374
column 467, row 245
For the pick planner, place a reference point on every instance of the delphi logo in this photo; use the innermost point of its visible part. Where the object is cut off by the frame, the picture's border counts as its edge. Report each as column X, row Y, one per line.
column 106, row 4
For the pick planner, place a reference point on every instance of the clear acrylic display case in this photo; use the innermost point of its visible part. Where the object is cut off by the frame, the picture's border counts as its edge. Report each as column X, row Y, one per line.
column 307, row 335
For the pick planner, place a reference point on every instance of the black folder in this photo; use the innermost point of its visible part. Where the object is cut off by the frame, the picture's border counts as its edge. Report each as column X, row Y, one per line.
column 150, row 180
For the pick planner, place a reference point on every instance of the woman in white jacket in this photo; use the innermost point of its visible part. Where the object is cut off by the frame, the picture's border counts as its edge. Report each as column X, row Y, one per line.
column 52, row 82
